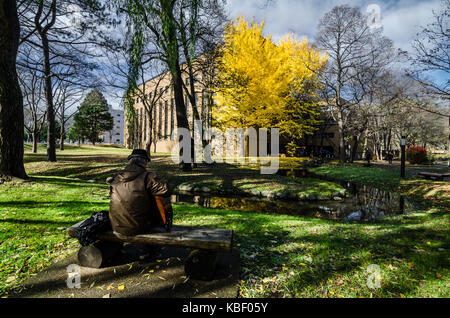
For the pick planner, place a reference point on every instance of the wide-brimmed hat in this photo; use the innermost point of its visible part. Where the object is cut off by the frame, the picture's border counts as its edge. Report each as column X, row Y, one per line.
column 142, row 153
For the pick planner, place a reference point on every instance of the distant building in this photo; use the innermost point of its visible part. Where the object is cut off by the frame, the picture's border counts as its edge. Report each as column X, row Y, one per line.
column 114, row 136
column 163, row 118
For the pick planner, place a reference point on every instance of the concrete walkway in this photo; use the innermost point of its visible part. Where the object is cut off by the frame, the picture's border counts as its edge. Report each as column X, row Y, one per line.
column 135, row 273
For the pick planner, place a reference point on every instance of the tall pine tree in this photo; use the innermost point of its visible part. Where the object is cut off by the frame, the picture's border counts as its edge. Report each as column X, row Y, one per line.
column 93, row 116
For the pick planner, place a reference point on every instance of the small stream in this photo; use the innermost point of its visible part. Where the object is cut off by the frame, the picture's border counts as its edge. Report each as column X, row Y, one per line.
column 363, row 203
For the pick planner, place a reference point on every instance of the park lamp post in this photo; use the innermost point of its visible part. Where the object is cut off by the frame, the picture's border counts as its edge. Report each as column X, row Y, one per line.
column 403, row 155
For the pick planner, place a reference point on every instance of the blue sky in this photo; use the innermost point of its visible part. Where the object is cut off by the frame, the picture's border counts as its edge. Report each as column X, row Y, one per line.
column 401, row 19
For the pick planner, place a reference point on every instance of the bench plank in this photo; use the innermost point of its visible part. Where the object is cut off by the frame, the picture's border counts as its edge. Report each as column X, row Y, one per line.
column 181, row 236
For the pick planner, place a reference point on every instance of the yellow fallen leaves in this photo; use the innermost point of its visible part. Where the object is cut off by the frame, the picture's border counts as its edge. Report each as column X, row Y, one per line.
column 121, row 287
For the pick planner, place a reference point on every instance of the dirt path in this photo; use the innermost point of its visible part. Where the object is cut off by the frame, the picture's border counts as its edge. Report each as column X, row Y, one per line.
column 134, row 274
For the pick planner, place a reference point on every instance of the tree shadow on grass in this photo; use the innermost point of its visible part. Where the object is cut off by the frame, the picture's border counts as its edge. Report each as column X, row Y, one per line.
column 67, row 182
column 339, row 250
column 128, row 270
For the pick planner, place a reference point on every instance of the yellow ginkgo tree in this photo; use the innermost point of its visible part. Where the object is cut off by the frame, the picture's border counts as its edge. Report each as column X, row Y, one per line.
column 264, row 85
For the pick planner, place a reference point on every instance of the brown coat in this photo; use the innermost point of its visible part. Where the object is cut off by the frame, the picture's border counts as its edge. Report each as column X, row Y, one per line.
column 131, row 201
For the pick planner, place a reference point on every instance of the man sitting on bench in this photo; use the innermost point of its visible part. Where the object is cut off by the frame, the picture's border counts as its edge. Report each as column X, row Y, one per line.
column 131, row 204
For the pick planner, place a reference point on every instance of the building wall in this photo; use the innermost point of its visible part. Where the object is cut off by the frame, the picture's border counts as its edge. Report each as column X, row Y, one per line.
column 116, row 135
column 164, row 119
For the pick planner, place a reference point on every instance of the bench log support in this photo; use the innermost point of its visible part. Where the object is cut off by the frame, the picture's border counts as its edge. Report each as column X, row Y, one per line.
column 98, row 254
column 201, row 264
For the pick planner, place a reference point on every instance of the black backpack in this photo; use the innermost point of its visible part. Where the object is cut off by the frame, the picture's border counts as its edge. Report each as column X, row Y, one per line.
column 88, row 231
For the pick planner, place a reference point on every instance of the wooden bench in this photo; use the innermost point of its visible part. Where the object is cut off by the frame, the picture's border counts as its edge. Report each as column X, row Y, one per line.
column 204, row 242
column 434, row 176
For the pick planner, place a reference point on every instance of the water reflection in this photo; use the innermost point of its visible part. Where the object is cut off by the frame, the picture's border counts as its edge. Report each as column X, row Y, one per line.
column 365, row 203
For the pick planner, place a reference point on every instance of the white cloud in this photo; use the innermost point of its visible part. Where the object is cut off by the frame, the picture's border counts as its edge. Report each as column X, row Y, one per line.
column 401, row 19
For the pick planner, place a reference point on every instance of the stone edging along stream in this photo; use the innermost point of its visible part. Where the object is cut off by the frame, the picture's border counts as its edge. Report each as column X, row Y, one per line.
column 284, row 194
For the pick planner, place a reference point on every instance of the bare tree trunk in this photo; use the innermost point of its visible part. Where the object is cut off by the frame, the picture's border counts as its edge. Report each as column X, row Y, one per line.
column 35, row 141
column 11, row 102
column 149, row 138
column 51, row 129
column 180, row 110
column 63, row 131
column 354, row 149
column 341, row 139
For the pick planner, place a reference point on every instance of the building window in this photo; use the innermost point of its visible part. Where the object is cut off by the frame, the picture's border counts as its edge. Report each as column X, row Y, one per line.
column 154, row 122
column 160, row 118
column 140, row 120
column 145, row 125
column 187, row 108
column 167, row 89
column 172, row 114
column 323, row 135
column 166, row 118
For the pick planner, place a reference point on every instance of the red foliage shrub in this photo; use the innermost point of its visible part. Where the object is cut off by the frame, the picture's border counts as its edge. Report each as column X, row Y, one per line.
column 416, row 155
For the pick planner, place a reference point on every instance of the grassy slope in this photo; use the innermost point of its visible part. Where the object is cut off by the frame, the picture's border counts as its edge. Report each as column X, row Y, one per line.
column 387, row 179
column 282, row 256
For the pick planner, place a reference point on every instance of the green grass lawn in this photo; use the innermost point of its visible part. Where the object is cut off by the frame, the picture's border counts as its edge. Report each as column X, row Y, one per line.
column 281, row 256
column 412, row 185
column 376, row 177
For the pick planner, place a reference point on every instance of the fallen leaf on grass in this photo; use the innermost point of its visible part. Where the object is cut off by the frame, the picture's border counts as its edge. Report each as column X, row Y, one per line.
column 11, row 279
column 107, row 296
column 121, row 287
column 110, row 287
column 162, row 278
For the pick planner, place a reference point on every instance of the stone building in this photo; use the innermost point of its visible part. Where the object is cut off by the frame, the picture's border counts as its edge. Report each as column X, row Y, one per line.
column 159, row 92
